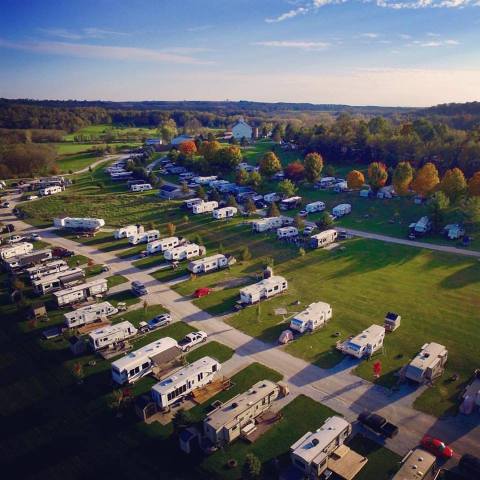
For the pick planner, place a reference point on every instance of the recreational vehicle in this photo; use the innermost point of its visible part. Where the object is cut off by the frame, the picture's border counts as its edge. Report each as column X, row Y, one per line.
column 264, row 289
column 89, row 314
column 423, row 226
column 265, row 224
column 204, row 180
column 184, row 252
column 20, row 248
column 137, row 364
column 58, row 280
column 322, row 239
column 316, row 315
column 271, row 197
column 290, row 203
column 162, row 245
column 128, row 231
column 364, row 344
column 50, row 190
column 145, row 237
column 225, row 212
column 287, row 232
column 80, row 224
column 326, row 182
column 315, row 207
column 40, row 271
column 184, row 381
column 110, row 335
column 204, row 207
column 418, row 464
column 453, row 231
column 191, row 202
column 428, row 364
column 237, row 416
column 342, row 209
column 208, row 264
column 81, row 292
column 28, row 259
column 142, row 187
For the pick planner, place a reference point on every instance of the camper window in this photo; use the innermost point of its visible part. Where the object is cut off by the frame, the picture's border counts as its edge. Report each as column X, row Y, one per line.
column 200, row 376
column 214, row 368
column 145, row 365
column 275, row 287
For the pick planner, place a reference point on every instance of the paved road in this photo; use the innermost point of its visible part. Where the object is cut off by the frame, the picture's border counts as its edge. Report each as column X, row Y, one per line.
column 338, row 387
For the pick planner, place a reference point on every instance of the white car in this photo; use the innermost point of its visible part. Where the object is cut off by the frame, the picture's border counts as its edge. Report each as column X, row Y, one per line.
column 15, row 239
column 191, row 340
column 35, row 237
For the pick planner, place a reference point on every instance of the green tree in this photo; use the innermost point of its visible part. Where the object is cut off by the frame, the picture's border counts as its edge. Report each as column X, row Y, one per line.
column 453, row 184
column 402, row 178
column 250, row 206
column 438, row 205
column 227, row 159
column 198, row 239
column 231, row 202
column 246, row 255
column 252, row 468
column 181, row 420
column 201, row 193
column 270, row 164
column 214, row 195
column 377, row 175
column 299, row 222
column 313, row 166
column 330, row 171
column 287, row 188
column 184, row 188
column 471, row 210
column 325, row 219
column 255, row 179
column 242, row 177
column 273, row 210
column 168, row 130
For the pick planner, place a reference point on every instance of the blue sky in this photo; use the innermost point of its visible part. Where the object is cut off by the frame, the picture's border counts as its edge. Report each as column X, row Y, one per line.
column 376, row 52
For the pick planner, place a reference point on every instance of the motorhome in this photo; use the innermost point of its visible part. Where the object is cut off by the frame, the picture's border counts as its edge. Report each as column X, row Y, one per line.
column 225, row 212
column 163, row 244
column 80, row 224
column 184, row 381
column 341, row 186
column 287, row 232
column 264, row 289
column 322, row 239
column 28, row 259
column 290, row 203
column 418, row 464
column 184, row 252
column 316, row 315
column 135, row 365
column 128, row 231
column 237, row 416
column 50, row 190
column 315, row 207
column 271, row 197
column 145, row 237
column 428, row 364
column 110, row 335
column 142, row 187
column 89, row 314
column 364, row 344
column 204, row 207
column 342, row 209
column 423, row 226
column 325, row 182
column 191, row 202
column 43, row 270
column 265, row 224
column 208, row 264
column 79, row 293
column 20, row 248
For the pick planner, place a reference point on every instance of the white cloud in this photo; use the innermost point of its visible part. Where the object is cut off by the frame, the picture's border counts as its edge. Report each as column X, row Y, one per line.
column 290, row 14
column 433, row 43
column 88, row 32
column 405, row 36
column 370, row 35
column 302, row 45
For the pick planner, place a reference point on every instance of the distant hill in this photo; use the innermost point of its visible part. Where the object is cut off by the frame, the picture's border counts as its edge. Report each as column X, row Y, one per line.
column 469, row 108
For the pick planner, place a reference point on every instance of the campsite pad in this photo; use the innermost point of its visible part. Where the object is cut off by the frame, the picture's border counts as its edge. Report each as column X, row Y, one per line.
column 232, row 283
column 280, row 311
column 332, row 246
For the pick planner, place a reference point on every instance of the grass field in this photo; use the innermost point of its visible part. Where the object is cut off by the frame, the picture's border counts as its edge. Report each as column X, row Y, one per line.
column 115, row 280
column 212, row 349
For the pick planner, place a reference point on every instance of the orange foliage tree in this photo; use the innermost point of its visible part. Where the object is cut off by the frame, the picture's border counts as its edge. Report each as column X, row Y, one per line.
column 355, row 179
column 377, row 175
column 474, row 185
column 453, row 184
column 188, row 147
column 425, row 180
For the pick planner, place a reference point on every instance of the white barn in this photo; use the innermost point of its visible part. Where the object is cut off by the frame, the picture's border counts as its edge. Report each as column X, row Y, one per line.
column 242, row 129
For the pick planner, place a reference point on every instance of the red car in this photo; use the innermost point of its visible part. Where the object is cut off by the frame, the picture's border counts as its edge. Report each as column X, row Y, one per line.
column 437, row 447
column 201, row 292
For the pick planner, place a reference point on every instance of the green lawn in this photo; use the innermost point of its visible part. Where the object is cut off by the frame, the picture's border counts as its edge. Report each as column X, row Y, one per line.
column 126, row 296
column 212, row 349
column 115, row 280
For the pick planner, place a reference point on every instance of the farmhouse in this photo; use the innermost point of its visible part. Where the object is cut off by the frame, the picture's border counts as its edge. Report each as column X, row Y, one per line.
column 264, row 289
column 287, row 232
column 225, row 212
column 43, row 270
column 228, row 421
column 242, row 129
column 208, row 264
column 204, row 207
column 184, row 381
column 81, row 224
column 184, row 252
column 316, row 315
column 81, row 292
column 323, row 239
column 365, row 344
column 58, row 280
column 106, row 336
column 128, row 231
column 162, row 245
column 89, row 314
column 428, row 364
column 20, row 248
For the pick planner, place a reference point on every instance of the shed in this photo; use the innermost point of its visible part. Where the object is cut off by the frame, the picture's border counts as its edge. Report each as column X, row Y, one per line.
column 77, row 345
column 145, row 407
column 392, row 321
column 38, row 311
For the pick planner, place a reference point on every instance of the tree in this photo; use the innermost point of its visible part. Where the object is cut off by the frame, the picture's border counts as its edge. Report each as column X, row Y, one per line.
column 325, row 219
column 181, row 420
column 250, row 206
column 214, row 195
column 244, row 142
column 185, row 219
column 184, row 188
column 246, row 255
column 231, row 202
column 453, row 184
column 377, row 175
column 269, row 164
column 474, row 185
column 402, row 178
column 355, row 179
column 299, row 222
column 242, row 177
column 295, row 171
column 313, row 166
column 273, row 210
column 209, row 149
column 171, row 229
column 198, row 239
column 471, row 210
column 188, row 148
column 255, row 179
column 168, row 130
column 227, row 159
column 277, row 133
column 287, row 188
column 330, row 171
column 201, row 193
column 437, row 206
column 425, row 180
column 252, row 468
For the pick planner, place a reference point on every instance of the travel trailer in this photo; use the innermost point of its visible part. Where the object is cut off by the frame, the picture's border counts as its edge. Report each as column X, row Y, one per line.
column 50, row 190
column 79, row 293
column 137, row 364
column 204, row 207
column 265, row 224
column 208, row 264
column 326, row 182
column 163, row 244
column 290, row 203
column 128, row 231
column 453, row 231
column 28, row 259
column 58, row 280
column 20, row 248
column 184, row 381
column 271, row 197
column 315, row 207
column 264, row 289
column 237, row 416
column 287, row 232
column 316, row 315
column 364, row 344
column 145, row 237
column 184, row 252
column 43, row 270
column 418, row 464
column 322, row 239
column 80, row 224
column 191, row 202
column 204, row 180
column 110, row 335
column 342, row 209
column 89, row 314
column 225, row 212
column 423, row 226
column 142, row 187
column 428, row 364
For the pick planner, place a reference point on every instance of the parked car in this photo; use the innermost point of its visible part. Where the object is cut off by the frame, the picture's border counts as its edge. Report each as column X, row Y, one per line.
column 5, row 204
column 202, row 292
column 436, row 446
column 60, row 252
column 34, row 237
column 309, row 229
column 302, row 213
column 159, row 321
column 9, row 228
column 138, row 288
column 191, row 340
column 260, row 204
column 378, row 424
column 342, row 235
column 15, row 239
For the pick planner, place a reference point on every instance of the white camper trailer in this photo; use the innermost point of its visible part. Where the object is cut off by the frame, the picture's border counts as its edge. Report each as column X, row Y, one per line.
column 326, row 182
column 342, row 209
column 145, row 237
column 204, row 207
column 163, row 244
column 418, row 464
column 51, row 190
column 191, row 202
column 184, row 381
column 315, row 207
column 208, row 264
column 40, row 271
column 140, row 187
column 184, row 252
column 25, row 260
column 265, row 224
column 287, row 232
column 89, row 314
column 204, row 180
column 428, row 364
column 316, row 315
column 58, row 280
column 135, row 365
column 290, row 203
column 364, row 344
column 225, row 212
column 110, row 335
column 80, row 224
column 271, row 197
column 128, row 231
column 323, row 239
column 423, row 226
column 20, row 248
column 264, row 289
column 81, row 292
